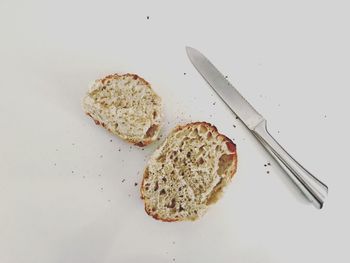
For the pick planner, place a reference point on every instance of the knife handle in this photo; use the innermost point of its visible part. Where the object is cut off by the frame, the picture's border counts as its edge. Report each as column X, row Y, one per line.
column 314, row 190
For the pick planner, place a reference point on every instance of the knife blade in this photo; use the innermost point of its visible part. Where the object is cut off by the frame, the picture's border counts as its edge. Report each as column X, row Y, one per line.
column 226, row 91
column 313, row 189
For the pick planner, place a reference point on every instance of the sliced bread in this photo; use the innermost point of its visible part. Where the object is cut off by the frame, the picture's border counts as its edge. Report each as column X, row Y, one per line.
column 127, row 106
column 187, row 172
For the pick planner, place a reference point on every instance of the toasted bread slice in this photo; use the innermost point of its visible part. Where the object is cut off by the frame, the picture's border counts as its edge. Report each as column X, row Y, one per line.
column 188, row 172
column 127, row 106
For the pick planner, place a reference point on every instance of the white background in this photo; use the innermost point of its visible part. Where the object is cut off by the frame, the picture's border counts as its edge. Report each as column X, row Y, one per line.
column 62, row 198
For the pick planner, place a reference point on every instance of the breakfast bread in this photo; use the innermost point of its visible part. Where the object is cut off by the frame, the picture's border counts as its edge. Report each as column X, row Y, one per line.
column 187, row 172
column 127, row 106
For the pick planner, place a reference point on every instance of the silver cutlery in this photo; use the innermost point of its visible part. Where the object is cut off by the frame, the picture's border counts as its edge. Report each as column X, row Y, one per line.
column 314, row 190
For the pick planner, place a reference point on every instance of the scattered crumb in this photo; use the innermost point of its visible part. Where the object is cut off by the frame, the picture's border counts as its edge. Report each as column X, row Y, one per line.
column 268, row 163
column 101, row 156
column 278, row 131
column 147, row 17
column 265, row 165
column 210, row 115
column 173, row 259
column 214, row 103
column 142, row 149
column 135, row 184
column 101, row 188
column 267, row 172
column 119, row 150
column 237, row 117
column 168, row 122
column 123, row 180
column 226, row 77
column 111, row 140
column 184, row 73
column 325, row 116
column 129, row 195
column 72, row 172
column 234, row 126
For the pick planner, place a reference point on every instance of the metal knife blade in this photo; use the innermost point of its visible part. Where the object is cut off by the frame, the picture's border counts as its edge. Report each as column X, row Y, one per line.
column 226, row 91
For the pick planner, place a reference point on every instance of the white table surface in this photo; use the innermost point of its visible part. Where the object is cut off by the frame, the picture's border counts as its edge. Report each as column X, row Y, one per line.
column 62, row 195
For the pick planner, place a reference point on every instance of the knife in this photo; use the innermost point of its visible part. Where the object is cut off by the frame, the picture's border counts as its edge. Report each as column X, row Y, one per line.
column 313, row 189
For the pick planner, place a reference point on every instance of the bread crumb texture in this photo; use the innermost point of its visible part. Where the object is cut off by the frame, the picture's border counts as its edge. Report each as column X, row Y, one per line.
column 127, row 106
column 187, row 172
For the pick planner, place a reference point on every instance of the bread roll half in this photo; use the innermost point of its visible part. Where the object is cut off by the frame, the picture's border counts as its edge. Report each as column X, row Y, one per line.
column 127, row 106
column 188, row 172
